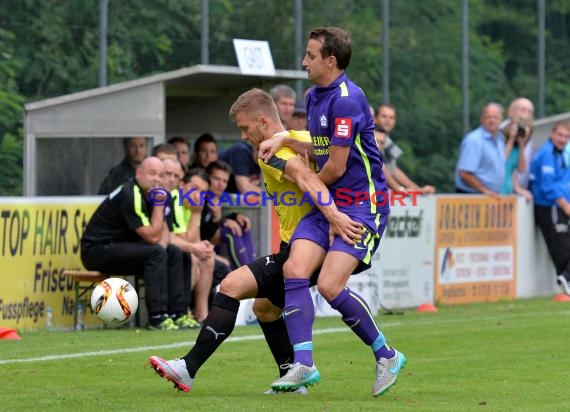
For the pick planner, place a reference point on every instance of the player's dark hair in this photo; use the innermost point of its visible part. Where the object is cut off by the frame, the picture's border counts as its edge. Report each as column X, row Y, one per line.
column 335, row 42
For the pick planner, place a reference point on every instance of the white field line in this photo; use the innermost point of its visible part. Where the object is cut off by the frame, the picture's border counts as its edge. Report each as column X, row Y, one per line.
column 189, row 344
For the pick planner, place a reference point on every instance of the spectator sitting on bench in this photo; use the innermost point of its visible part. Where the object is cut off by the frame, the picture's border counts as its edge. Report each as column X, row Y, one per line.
column 205, row 151
column 124, row 237
column 234, row 229
column 185, row 234
column 198, row 256
column 164, row 150
column 194, row 182
column 136, row 150
column 183, row 148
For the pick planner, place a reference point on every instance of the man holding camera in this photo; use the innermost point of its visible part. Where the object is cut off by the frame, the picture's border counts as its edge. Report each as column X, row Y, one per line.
column 517, row 134
column 518, row 129
column 481, row 164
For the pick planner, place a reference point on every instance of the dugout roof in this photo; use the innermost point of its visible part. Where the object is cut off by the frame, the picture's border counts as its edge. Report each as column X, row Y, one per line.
column 72, row 141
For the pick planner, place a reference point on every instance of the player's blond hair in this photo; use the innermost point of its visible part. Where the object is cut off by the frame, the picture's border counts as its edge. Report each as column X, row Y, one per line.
column 255, row 102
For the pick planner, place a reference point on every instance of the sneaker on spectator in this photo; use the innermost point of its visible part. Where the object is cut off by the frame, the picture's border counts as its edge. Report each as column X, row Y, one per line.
column 186, row 322
column 166, row 324
column 564, row 284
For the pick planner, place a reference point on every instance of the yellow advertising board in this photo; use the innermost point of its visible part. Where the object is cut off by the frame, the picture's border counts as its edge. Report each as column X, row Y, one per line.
column 475, row 251
column 40, row 238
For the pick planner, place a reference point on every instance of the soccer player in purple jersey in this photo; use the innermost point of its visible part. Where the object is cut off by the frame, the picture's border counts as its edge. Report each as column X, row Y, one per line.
column 349, row 163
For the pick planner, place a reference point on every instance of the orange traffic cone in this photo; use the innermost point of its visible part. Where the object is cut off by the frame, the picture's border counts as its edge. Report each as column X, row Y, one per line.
column 561, row 297
column 6, row 333
column 427, row 307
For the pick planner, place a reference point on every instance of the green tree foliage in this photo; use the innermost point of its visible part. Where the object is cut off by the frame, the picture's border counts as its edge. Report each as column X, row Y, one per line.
column 57, row 53
column 11, row 142
column 513, row 25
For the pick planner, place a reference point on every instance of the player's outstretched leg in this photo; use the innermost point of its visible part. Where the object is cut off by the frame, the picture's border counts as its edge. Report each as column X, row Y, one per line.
column 357, row 315
column 216, row 328
column 173, row 370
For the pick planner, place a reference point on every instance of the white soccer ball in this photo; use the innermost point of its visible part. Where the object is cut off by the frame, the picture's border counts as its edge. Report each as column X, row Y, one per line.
column 114, row 301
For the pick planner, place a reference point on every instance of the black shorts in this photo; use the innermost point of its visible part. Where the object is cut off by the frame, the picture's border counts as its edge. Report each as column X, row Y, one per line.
column 268, row 273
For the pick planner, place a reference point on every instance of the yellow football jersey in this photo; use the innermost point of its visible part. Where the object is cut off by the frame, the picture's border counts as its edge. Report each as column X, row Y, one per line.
column 291, row 203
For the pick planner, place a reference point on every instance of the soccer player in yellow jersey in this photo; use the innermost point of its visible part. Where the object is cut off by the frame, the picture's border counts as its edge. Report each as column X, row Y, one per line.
column 287, row 176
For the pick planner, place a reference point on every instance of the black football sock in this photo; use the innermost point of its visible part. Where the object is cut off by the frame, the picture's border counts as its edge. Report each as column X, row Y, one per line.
column 278, row 341
column 215, row 329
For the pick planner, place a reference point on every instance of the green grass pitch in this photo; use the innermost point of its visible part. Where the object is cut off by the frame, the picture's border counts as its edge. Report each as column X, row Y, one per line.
column 506, row 356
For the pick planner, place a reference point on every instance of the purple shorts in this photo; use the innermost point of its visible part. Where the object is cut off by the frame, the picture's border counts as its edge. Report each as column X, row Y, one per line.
column 315, row 227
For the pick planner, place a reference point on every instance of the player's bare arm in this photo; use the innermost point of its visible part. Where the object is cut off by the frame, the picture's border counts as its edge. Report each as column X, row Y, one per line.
column 297, row 171
column 271, row 146
column 335, row 166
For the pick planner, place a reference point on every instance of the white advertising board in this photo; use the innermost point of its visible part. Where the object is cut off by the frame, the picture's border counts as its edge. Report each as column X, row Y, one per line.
column 402, row 269
column 404, row 262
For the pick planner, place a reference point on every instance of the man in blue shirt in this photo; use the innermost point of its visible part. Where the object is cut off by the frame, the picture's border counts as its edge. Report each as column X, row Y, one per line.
column 481, row 164
column 550, row 186
column 349, row 163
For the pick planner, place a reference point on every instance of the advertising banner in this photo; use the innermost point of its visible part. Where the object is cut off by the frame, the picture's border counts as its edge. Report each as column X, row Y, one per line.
column 475, row 249
column 404, row 262
column 40, row 239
